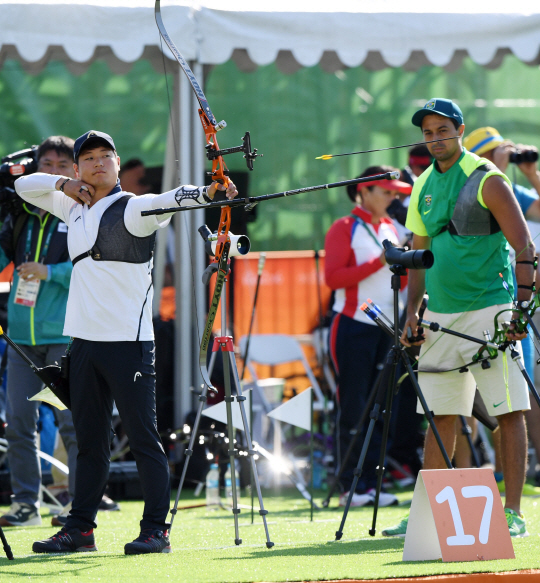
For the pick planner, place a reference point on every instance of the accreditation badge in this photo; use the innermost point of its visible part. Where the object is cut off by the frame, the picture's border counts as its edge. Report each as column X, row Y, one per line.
column 27, row 292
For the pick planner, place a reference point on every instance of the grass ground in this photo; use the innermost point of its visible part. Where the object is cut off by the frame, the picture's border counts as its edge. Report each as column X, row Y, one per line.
column 204, row 550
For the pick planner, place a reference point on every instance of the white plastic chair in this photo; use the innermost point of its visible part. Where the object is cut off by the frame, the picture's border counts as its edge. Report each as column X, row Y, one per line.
column 274, row 349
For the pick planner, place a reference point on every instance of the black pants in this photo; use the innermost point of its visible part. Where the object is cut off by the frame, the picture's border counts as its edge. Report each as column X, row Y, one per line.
column 357, row 349
column 123, row 372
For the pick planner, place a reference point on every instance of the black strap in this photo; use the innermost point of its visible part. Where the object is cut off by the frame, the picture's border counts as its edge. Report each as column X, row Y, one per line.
column 63, row 184
column 18, row 226
column 82, row 256
column 142, row 312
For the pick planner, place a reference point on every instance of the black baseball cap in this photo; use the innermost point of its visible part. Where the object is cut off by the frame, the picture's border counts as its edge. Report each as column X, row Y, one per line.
column 444, row 107
column 91, row 136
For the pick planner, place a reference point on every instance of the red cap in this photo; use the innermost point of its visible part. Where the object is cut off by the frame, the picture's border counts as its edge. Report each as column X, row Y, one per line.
column 398, row 185
column 423, row 161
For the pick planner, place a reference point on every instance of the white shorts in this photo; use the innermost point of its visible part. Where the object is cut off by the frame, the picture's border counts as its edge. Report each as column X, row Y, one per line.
column 502, row 386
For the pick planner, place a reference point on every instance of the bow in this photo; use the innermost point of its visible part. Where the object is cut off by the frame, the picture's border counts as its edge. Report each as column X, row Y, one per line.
column 219, row 173
column 490, row 347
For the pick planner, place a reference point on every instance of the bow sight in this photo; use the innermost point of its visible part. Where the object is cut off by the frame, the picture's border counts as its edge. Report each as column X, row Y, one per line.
column 249, row 155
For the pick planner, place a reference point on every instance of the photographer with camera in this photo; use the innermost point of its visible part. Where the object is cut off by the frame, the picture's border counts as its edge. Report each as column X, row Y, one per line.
column 463, row 209
column 37, row 244
column 488, row 143
column 356, row 269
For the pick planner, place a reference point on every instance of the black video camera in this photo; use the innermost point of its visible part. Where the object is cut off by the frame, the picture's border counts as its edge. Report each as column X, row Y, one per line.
column 12, row 167
column 525, row 155
column 420, row 259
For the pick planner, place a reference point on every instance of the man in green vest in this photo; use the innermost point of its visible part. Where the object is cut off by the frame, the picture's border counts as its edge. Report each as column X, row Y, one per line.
column 463, row 209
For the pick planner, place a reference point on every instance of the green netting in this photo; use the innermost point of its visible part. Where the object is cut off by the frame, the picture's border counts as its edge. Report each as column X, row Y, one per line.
column 132, row 108
column 292, row 119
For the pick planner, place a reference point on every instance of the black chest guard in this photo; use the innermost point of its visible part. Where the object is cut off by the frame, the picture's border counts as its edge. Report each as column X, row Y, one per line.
column 115, row 243
column 470, row 218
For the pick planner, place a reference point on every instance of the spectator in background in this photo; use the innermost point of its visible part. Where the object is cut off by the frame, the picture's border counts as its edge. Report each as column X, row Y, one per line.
column 37, row 243
column 133, row 177
column 419, row 160
column 356, row 269
column 488, row 143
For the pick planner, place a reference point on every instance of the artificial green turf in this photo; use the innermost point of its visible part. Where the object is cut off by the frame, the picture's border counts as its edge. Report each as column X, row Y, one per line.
column 204, row 549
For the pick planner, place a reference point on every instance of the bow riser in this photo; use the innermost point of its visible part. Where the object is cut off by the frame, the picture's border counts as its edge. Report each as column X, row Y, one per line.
column 223, row 233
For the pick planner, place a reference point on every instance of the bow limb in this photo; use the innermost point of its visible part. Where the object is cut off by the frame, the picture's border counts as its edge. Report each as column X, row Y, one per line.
column 212, row 311
column 219, row 174
column 210, row 126
column 211, row 120
column 208, row 120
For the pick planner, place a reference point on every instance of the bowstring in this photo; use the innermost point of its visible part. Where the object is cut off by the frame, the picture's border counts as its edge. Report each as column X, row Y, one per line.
column 177, row 159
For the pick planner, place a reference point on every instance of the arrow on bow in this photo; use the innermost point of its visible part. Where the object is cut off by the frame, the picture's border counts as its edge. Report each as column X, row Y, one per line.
column 329, row 156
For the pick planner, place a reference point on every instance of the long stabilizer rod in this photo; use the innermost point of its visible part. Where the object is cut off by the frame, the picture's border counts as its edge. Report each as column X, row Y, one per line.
column 253, row 200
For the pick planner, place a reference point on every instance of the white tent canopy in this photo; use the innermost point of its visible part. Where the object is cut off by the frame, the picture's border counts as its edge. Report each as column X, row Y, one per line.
column 294, row 33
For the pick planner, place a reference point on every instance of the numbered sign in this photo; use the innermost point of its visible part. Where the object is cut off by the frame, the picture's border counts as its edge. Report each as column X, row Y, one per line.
column 457, row 515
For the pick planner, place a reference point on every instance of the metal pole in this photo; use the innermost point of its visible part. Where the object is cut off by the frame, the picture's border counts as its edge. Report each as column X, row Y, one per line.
column 311, row 452
column 183, row 347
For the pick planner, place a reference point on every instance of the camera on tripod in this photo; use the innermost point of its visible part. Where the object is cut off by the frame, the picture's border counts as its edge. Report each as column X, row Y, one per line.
column 14, row 166
column 419, row 259
column 524, row 155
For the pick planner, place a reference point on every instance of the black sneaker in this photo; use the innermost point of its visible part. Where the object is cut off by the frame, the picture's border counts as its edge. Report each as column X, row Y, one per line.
column 67, row 541
column 149, row 541
column 21, row 515
column 108, row 504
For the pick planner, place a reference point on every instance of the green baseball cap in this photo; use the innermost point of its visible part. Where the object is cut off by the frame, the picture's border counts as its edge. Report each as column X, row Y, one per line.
column 444, row 107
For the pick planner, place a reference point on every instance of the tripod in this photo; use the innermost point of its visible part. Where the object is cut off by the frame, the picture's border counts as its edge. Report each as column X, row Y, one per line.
column 225, row 344
column 384, row 398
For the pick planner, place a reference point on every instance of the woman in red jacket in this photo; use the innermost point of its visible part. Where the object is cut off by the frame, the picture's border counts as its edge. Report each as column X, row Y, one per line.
column 356, row 269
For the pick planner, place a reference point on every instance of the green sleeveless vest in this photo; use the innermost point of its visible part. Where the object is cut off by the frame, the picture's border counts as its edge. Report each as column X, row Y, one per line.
column 469, row 248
